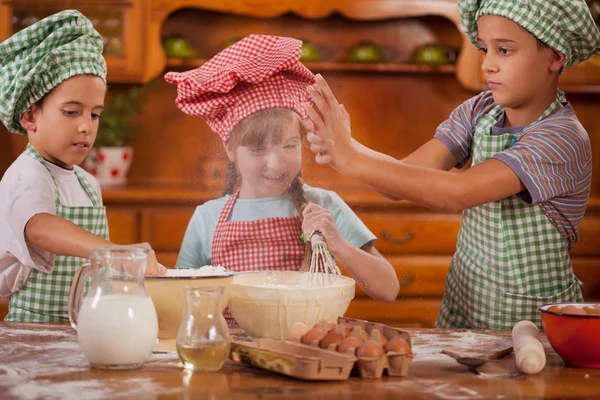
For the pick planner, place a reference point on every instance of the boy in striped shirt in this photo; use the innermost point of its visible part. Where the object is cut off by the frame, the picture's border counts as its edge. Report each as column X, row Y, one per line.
column 526, row 192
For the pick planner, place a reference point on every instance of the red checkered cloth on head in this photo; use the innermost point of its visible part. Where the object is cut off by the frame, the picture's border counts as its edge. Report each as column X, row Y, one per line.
column 257, row 73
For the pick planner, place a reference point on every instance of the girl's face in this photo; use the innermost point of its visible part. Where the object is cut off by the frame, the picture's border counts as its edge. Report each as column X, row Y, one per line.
column 63, row 129
column 267, row 168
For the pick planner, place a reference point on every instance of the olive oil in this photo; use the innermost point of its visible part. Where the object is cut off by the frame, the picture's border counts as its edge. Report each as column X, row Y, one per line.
column 204, row 357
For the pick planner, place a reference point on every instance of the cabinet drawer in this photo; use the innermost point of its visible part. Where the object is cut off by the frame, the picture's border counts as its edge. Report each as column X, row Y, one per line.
column 402, row 313
column 425, row 276
column 589, row 232
column 419, row 276
column 164, row 228
column 422, row 233
column 123, row 225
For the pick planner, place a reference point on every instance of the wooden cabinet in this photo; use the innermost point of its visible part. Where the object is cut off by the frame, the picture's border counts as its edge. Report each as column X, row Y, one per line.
column 124, row 225
column 219, row 23
column 418, row 243
column 133, row 30
column 122, row 24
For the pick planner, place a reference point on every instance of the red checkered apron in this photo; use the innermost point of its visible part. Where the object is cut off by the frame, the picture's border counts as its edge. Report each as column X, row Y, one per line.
column 271, row 244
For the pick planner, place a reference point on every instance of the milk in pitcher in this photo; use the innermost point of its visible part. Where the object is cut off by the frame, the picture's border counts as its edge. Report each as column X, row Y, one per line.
column 117, row 329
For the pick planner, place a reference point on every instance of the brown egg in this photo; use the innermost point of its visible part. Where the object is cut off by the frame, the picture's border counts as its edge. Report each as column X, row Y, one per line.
column 343, row 329
column 370, row 349
column 296, row 332
column 331, row 338
column 591, row 310
column 314, row 335
column 359, row 332
column 554, row 308
column 351, row 342
column 324, row 325
column 573, row 310
column 398, row 345
column 378, row 336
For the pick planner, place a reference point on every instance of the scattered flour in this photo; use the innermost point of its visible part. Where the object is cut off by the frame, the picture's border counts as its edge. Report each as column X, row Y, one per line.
column 92, row 389
column 439, row 389
column 433, row 389
column 18, row 332
column 61, row 358
column 428, row 346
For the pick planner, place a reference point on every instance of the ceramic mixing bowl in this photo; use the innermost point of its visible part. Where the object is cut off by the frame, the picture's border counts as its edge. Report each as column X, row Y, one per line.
column 574, row 337
column 168, row 295
column 266, row 303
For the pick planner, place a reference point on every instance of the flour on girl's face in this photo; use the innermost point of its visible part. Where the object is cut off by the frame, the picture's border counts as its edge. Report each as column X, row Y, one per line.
column 266, row 149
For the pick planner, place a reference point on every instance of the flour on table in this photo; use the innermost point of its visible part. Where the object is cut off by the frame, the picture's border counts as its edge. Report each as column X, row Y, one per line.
column 18, row 332
column 91, row 389
column 428, row 346
column 433, row 389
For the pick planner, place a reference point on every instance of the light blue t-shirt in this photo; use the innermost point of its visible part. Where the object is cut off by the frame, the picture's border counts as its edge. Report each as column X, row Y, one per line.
column 196, row 249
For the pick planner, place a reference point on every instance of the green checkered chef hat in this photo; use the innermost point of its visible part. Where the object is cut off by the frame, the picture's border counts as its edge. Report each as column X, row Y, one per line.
column 39, row 58
column 566, row 26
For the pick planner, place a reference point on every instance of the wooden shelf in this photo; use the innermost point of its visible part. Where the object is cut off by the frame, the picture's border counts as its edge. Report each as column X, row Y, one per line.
column 342, row 67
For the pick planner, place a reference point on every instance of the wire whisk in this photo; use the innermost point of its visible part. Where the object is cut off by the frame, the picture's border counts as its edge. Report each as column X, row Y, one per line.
column 322, row 265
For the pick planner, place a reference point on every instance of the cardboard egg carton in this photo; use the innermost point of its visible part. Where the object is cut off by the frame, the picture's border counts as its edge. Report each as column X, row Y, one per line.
column 394, row 364
column 294, row 359
column 310, row 362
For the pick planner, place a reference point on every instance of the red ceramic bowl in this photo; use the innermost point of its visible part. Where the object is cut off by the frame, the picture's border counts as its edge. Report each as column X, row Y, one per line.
column 576, row 338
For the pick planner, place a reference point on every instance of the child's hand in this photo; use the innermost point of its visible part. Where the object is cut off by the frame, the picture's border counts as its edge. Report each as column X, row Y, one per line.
column 332, row 140
column 319, row 219
column 153, row 267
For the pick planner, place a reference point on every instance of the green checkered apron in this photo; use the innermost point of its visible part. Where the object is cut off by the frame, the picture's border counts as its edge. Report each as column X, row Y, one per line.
column 45, row 297
column 510, row 259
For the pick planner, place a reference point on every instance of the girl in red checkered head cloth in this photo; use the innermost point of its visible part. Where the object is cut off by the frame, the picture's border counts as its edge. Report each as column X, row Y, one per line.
column 251, row 95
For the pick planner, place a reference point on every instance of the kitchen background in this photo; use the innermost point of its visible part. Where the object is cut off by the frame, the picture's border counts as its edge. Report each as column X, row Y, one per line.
column 399, row 66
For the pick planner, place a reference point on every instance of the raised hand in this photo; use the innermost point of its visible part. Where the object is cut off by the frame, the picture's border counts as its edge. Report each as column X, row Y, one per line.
column 332, row 140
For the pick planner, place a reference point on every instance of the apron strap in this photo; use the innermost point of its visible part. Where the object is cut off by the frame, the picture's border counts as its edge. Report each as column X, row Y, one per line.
column 88, row 188
column 228, row 207
column 30, row 151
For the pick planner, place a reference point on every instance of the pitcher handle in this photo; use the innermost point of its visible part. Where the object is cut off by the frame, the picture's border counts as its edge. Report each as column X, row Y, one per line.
column 75, row 296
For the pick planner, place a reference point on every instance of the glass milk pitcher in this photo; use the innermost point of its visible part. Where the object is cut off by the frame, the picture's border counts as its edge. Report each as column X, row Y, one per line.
column 203, row 339
column 116, row 322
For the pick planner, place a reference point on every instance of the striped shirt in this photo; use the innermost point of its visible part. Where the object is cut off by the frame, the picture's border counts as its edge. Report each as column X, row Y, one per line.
column 553, row 159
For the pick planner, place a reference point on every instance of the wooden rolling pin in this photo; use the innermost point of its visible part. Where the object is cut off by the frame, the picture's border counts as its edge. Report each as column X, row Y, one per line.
column 530, row 356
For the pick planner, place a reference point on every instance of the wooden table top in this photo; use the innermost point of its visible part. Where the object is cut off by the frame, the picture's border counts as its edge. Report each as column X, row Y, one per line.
column 44, row 361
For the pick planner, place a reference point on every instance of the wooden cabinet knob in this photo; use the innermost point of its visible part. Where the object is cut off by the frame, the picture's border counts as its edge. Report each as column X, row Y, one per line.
column 408, row 279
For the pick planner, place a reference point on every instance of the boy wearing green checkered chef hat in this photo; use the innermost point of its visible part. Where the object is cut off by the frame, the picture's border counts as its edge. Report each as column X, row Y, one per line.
column 527, row 189
column 52, row 88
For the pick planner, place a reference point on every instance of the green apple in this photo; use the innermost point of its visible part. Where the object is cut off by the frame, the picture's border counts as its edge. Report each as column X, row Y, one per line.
column 365, row 52
column 178, row 47
column 432, row 54
column 309, row 52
